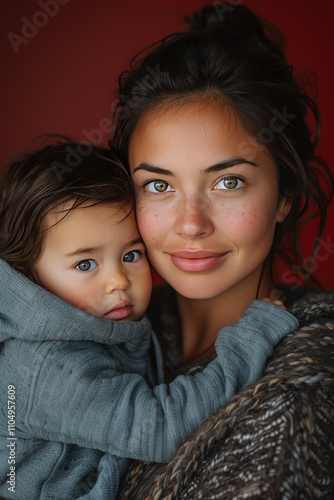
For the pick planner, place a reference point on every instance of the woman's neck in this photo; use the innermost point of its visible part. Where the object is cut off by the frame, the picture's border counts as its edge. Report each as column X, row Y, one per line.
column 201, row 319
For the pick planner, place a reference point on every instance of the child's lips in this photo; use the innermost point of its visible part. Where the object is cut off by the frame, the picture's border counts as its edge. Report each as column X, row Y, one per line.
column 120, row 311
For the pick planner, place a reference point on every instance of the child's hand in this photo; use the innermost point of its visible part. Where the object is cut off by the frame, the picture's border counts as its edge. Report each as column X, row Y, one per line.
column 275, row 302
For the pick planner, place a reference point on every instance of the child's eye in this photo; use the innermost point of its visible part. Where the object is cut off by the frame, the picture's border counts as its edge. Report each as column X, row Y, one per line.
column 229, row 183
column 132, row 256
column 158, row 187
column 86, row 265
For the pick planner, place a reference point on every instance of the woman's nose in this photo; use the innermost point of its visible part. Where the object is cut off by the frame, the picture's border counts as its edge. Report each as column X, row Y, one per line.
column 116, row 280
column 193, row 218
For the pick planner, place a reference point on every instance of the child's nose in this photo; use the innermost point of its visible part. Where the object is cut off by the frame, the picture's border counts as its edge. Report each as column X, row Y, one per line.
column 117, row 280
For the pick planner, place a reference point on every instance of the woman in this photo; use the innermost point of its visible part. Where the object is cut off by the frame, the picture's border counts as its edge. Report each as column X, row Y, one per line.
column 211, row 125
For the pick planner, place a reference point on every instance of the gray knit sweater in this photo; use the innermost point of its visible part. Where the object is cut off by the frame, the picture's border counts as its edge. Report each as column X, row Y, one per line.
column 74, row 400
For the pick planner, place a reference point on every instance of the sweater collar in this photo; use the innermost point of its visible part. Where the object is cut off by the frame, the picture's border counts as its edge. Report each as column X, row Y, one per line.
column 29, row 312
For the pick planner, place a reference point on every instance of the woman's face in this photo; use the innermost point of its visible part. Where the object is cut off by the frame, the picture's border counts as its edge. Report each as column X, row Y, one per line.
column 207, row 202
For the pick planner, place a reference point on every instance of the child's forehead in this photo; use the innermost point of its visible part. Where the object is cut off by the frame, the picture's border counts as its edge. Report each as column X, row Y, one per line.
column 91, row 220
column 91, row 226
column 90, row 210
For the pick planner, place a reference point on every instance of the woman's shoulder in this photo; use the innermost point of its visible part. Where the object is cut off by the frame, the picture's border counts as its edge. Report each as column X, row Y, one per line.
column 314, row 305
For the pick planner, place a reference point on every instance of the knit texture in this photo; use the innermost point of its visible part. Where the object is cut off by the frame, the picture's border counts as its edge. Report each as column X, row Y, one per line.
column 274, row 440
column 81, row 395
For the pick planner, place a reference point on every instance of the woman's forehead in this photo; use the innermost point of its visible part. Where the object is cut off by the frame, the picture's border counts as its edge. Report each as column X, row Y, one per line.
column 204, row 131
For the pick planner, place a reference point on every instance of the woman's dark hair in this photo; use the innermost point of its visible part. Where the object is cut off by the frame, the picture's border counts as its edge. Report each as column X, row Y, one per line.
column 39, row 182
column 231, row 54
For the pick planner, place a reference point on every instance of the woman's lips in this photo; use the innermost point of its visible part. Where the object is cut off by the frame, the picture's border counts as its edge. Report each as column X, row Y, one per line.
column 196, row 261
column 120, row 311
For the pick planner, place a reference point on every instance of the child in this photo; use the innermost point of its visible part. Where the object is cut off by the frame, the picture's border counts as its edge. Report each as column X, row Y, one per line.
column 74, row 369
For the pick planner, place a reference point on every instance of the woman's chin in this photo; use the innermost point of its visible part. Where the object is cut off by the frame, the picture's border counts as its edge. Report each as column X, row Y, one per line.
column 218, row 285
column 196, row 291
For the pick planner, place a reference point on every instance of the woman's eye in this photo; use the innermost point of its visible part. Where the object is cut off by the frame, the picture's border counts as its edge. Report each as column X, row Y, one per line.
column 132, row 256
column 229, row 183
column 158, row 187
column 86, row 265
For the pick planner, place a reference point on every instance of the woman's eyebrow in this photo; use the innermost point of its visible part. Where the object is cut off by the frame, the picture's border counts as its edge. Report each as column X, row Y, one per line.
column 227, row 164
column 214, row 168
column 152, row 168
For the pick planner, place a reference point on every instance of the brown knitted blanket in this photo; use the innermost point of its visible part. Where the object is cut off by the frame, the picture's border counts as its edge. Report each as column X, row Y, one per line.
column 273, row 440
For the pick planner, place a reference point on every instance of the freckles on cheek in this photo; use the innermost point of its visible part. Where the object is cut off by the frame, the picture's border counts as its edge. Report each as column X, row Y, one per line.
column 257, row 223
column 149, row 223
column 244, row 226
column 247, row 223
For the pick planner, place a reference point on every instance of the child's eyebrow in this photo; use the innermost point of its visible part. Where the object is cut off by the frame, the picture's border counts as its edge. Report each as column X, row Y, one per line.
column 85, row 250
column 80, row 251
column 135, row 242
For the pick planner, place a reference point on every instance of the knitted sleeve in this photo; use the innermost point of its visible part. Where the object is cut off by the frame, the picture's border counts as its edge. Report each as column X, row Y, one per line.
column 81, row 396
column 274, row 439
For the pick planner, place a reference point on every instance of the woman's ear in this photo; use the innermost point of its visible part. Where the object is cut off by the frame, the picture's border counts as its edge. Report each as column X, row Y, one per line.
column 283, row 208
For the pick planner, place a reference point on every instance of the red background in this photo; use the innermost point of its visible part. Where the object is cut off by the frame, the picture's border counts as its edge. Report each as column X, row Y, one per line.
column 61, row 75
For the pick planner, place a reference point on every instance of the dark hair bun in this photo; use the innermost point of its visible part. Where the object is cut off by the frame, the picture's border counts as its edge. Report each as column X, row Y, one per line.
column 228, row 13
column 238, row 20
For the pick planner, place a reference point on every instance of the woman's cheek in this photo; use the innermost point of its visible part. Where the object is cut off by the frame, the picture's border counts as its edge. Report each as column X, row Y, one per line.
column 150, row 224
column 248, row 224
column 258, row 226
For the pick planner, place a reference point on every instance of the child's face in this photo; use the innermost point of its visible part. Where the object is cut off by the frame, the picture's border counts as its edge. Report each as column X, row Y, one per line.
column 97, row 262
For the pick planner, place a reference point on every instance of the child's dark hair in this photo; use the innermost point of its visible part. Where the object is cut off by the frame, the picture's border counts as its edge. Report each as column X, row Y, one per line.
column 232, row 55
column 41, row 181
